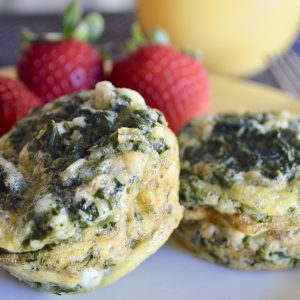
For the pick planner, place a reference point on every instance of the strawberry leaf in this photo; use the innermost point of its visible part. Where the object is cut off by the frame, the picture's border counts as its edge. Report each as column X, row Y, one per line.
column 159, row 36
column 28, row 36
column 137, row 33
column 138, row 37
column 52, row 37
column 96, row 25
column 81, row 32
column 195, row 53
column 71, row 16
column 88, row 29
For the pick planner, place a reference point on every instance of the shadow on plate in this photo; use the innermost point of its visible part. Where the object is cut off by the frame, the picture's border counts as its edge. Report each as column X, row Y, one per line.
column 280, row 284
column 287, row 287
column 13, row 289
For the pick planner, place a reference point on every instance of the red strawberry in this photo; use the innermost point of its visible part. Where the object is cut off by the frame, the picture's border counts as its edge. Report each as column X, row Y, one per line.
column 16, row 101
column 56, row 64
column 53, row 69
column 175, row 83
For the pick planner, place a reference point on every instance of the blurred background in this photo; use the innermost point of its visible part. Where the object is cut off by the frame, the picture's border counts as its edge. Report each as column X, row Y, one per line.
column 45, row 16
column 56, row 6
column 255, row 39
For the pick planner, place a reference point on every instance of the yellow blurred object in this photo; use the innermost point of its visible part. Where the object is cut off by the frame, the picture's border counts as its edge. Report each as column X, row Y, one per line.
column 235, row 36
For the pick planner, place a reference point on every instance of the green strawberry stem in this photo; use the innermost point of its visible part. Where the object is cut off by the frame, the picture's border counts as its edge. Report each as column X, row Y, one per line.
column 192, row 52
column 138, row 37
column 28, row 36
column 87, row 29
column 157, row 36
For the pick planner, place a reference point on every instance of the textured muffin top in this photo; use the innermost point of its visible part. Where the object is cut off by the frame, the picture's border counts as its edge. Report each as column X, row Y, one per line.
column 61, row 169
column 242, row 164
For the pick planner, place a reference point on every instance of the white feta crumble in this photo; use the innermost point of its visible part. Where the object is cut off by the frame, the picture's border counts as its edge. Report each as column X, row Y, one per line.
column 71, row 171
column 91, row 278
column 104, row 92
column 13, row 179
column 35, row 244
column 79, row 121
column 44, row 203
column 136, row 99
column 60, row 128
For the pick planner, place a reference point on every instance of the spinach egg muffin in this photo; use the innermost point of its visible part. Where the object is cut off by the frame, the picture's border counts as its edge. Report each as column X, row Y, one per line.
column 240, row 186
column 88, row 190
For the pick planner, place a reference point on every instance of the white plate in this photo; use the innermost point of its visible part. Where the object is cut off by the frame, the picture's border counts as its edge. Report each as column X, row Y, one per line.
column 176, row 274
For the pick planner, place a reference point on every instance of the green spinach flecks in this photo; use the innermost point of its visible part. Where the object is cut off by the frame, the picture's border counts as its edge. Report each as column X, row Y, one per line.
column 237, row 143
column 40, row 228
column 89, row 208
column 121, row 104
column 141, row 119
column 159, row 145
column 83, row 212
column 59, row 290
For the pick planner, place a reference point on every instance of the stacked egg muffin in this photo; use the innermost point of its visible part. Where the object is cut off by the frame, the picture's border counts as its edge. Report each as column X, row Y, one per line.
column 240, row 185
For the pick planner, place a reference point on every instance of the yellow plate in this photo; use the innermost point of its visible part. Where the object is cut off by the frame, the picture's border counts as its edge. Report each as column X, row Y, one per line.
column 230, row 94
column 8, row 71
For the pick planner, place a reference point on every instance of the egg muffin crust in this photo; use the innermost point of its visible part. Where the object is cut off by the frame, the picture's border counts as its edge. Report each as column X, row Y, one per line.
column 89, row 189
column 240, row 185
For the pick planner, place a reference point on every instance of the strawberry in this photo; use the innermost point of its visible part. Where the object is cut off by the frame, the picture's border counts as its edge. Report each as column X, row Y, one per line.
column 16, row 101
column 56, row 64
column 53, row 69
column 175, row 83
